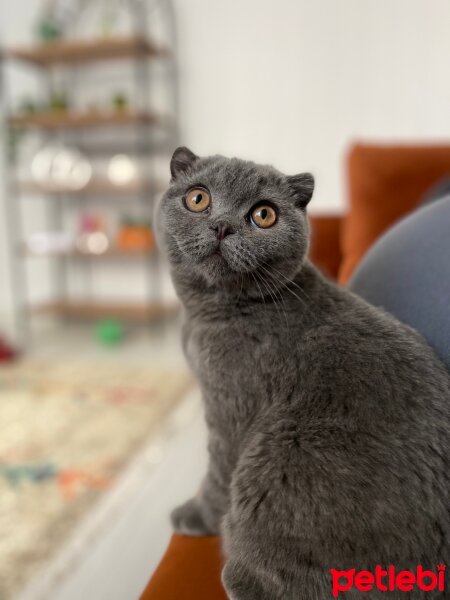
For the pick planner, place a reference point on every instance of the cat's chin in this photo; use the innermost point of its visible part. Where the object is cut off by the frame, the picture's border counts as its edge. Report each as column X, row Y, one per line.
column 216, row 272
column 216, row 267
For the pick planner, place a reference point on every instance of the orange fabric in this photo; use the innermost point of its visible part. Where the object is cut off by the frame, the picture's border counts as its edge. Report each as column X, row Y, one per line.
column 325, row 249
column 385, row 183
column 189, row 570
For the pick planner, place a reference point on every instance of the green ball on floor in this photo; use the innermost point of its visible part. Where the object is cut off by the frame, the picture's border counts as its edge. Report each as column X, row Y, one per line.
column 109, row 332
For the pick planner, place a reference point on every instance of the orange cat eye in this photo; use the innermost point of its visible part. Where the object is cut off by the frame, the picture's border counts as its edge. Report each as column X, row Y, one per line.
column 264, row 216
column 197, row 200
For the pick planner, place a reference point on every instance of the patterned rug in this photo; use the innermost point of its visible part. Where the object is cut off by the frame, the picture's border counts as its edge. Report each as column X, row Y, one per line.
column 66, row 433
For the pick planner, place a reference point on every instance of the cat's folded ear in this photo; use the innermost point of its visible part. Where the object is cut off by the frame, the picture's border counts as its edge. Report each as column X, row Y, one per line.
column 302, row 186
column 181, row 160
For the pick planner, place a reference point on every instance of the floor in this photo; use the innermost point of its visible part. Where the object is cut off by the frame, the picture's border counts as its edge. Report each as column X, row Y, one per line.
column 119, row 545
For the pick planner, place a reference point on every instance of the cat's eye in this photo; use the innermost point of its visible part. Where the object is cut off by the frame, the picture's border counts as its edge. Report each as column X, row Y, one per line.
column 197, row 200
column 264, row 216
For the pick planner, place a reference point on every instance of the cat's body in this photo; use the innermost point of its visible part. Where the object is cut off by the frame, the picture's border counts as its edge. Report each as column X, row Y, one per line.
column 328, row 420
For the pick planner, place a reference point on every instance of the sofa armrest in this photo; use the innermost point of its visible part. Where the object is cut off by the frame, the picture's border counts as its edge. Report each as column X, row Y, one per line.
column 189, row 570
column 385, row 183
column 325, row 245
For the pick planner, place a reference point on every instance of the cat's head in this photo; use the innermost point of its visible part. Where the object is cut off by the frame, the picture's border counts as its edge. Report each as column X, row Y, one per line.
column 233, row 224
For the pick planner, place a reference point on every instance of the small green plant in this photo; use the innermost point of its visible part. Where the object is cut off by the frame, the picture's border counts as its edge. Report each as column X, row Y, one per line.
column 48, row 31
column 59, row 102
column 120, row 101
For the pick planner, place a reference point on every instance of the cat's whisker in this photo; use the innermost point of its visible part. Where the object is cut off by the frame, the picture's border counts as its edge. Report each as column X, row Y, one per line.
column 280, row 286
column 278, row 299
column 289, row 280
column 241, row 277
column 276, row 292
column 272, row 295
column 287, row 288
column 259, row 288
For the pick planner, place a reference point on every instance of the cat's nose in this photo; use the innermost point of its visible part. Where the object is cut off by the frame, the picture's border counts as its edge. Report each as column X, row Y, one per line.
column 222, row 230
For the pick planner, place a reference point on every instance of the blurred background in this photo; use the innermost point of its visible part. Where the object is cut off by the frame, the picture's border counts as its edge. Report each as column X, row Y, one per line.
column 101, row 430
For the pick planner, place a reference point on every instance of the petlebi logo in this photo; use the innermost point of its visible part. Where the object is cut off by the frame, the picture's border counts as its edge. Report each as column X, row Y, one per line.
column 388, row 580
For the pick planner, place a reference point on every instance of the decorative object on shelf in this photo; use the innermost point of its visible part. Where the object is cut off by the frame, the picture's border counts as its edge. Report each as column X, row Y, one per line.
column 135, row 235
column 48, row 31
column 120, row 101
column 7, row 352
column 59, row 101
column 56, row 166
column 92, row 238
column 105, row 18
column 50, row 242
column 55, row 18
column 109, row 332
column 122, row 170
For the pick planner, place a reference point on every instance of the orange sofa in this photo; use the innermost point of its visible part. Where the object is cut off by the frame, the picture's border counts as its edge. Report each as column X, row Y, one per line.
column 385, row 183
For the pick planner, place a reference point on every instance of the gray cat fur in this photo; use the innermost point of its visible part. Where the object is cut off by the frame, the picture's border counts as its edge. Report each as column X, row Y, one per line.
column 328, row 419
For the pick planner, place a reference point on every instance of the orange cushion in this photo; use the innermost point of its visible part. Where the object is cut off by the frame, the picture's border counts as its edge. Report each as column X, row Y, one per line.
column 325, row 248
column 385, row 183
column 189, row 570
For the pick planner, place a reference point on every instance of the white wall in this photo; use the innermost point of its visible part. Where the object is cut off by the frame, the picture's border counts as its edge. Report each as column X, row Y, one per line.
column 293, row 82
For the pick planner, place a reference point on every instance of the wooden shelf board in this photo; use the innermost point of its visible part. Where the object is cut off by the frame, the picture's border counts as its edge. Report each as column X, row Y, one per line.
column 99, row 310
column 73, row 119
column 83, row 51
column 93, row 188
column 113, row 252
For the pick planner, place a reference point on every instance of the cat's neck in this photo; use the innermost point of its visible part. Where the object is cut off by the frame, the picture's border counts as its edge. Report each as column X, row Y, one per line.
column 197, row 297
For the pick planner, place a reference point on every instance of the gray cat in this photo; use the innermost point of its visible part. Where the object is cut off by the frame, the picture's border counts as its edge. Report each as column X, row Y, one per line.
column 328, row 419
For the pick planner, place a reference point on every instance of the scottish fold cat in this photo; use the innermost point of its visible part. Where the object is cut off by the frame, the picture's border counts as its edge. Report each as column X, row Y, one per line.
column 328, row 419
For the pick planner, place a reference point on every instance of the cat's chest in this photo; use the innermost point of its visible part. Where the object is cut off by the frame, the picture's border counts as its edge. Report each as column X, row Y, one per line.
column 219, row 350
column 230, row 366
column 235, row 358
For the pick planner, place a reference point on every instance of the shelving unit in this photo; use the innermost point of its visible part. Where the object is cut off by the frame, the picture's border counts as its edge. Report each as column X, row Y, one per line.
column 152, row 133
column 98, row 310
column 112, row 251
column 73, row 119
column 96, row 187
column 76, row 52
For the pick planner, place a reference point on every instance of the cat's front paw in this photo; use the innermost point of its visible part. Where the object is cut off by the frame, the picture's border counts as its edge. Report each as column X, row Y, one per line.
column 187, row 519
column 240, row 584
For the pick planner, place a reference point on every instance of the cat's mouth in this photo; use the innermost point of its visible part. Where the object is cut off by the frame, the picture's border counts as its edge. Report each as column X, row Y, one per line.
column 216, row 259
column 217, row 255
column 217, row 252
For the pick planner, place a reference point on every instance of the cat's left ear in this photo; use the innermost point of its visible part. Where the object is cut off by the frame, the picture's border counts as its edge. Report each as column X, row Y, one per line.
column 181, row 160
column 302, row 186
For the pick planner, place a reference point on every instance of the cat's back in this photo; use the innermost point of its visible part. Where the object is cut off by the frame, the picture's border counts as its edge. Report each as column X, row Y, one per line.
column 371, row 369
